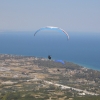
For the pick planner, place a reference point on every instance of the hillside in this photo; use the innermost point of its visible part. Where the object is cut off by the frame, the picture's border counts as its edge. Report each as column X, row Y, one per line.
column 42, row 78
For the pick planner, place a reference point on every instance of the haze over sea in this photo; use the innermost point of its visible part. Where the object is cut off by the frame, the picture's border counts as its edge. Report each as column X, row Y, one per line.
column 81, row 48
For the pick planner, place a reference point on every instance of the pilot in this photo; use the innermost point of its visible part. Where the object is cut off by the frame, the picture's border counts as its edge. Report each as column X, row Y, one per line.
column 49, row 57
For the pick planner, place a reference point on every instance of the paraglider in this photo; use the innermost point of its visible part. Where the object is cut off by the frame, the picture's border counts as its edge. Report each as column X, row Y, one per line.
column 53, row 28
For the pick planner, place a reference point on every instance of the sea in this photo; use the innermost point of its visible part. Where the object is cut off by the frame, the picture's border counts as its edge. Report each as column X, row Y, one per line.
column 82, row 48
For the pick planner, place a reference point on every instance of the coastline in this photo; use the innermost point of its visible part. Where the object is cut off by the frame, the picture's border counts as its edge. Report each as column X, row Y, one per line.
column 86, row 66
column 80, row 64
column 76, row 50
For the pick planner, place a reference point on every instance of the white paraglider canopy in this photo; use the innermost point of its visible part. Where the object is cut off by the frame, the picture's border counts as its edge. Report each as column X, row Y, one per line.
column 51, row 27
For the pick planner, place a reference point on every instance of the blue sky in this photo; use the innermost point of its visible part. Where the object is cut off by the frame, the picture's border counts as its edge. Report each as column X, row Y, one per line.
column 29, row 15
